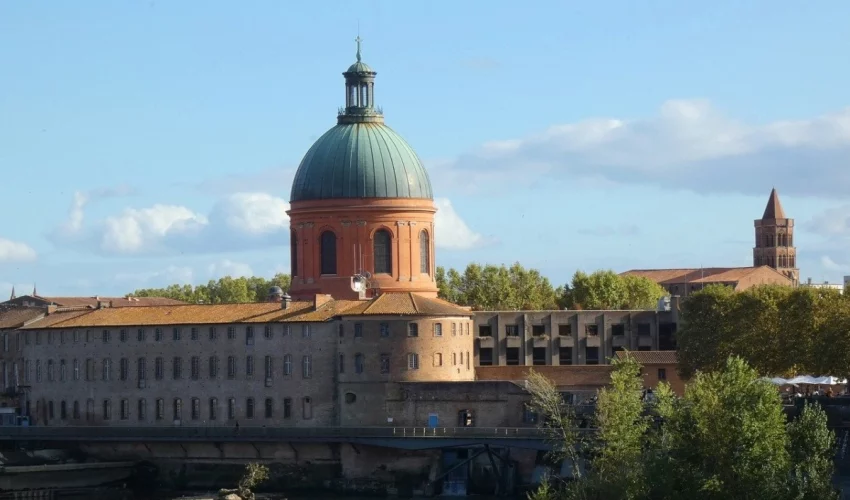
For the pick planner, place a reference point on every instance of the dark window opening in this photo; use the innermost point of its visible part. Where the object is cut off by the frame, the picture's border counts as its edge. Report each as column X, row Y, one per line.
column 383, row 252
column 485, row 356
column 662, row 374
column 350, row 397
column 539, row 356
column 424, row 253
column 538, row 330
column 618, row 329
column 565, row 356
column 529, row 416
column 644, row 329
column 328, row 248
column 293, row 252
column 485, row 331
column 592, row 356
column 512, row 330
column 644, row 348
column 413, row 330
column 466, row 418
column 591, row 330
column 512, row 356
column 667, row 336
column 565, row 330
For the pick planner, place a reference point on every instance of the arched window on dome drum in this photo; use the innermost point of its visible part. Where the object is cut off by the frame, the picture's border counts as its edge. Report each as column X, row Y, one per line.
column 383, row 252
column 328, row 252
column 424, row 252
column 293, row 252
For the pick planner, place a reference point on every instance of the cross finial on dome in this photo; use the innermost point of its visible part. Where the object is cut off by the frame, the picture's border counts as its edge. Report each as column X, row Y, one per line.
column 358, row 40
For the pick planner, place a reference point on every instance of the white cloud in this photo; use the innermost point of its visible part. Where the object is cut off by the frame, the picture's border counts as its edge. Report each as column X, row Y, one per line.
column 687, row 144
column 229, row 268
column 831, row 265
column 253, row 213
column 73, row 225
column 135, row 231
column 452, row 233
column 14, row 251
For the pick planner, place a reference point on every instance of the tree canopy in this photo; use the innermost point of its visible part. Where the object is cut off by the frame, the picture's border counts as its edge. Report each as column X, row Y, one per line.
column 727, row 437
column 605, row 290
column 778, row 330
column 224, row 290
column 494, row 288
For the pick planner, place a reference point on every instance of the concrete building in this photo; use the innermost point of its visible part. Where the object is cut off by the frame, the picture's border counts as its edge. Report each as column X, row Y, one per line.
column 838, row 287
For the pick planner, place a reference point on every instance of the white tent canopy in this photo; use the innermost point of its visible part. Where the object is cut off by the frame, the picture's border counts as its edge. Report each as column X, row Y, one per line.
column 808, row 380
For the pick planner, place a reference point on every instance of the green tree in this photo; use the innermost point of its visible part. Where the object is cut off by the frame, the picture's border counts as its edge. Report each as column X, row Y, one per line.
column 605, row 289
column 222, row 291
column 491, row 288
column 811, row 447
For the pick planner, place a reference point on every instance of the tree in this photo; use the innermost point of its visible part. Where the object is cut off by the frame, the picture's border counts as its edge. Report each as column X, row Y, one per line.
column 225, row 290
column 605, row 289
column 254, row 475
column 492, row 288
column 811, row 447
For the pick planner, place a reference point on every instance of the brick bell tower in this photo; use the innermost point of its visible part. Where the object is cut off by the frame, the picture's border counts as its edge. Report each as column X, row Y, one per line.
column 775, row 240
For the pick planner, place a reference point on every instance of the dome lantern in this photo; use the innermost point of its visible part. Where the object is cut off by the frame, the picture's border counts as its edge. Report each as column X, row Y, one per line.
column 360, row 93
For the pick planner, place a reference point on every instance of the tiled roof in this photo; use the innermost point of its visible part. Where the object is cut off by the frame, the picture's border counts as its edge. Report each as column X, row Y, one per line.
column 562, row 376
column 263, row 312
column 773, row 210
column 704, row 275
column 650, row 357
column 114, row 301
column 407, row 304
column 15, row 317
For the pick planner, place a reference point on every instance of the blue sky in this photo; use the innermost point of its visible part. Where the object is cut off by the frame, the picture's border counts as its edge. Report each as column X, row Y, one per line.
column 150, row 142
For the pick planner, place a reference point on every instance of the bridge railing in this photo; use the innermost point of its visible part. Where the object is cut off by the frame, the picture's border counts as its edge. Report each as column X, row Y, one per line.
column 265, row 433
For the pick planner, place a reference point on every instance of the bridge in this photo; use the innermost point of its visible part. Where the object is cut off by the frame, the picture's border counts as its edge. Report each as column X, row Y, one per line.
column 410, row 438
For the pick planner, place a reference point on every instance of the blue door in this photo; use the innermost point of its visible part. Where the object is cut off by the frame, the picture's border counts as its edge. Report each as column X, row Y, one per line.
column 433, row 420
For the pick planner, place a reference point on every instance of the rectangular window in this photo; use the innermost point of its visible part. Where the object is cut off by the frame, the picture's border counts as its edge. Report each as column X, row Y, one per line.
column 538, row 330
column 592, row 356
column 196, row 367
column 50, row 369
column 307, row 411
column 178, row 409
column 231, row 409
column 538, row 356
column 231, row 367
column 413, row 361
column 196, row 409
column 193, row 333
column 485, row 331
column 159, row 368
column 662, row 374
column 438, row 329
column 77, row 336
column 76, row 369
column 268, row 370
column 140, row 335
column 438, row 359
column 454, row 329
column 212, row 333
column 591, row 330
column 267, row 331
column 306, row 367
column 213, row 367
column 358, row 330
column 213, row 408
column 107, row 409
column 249, row 335
column 485, row 356
column 62, row 371
column 107, row 369
column 231, row 332
column 160, row 408
column 305, row 331
column 512, row 330
column 177, row 368
column 37, row 338
column 141, row 368
column 342, row 363
column 358, row 363
column 142, row 410
column 565, row 330
column 385, row 330
column 413, row 329
column 511, row 356
column 287, row 330
column 123, row 335
column 124, row 369
column 287, row 364
column 125, row 409
column 269, row 406
column 106, row 336
column 287, row 407
column 157, row 334
column 643, row 329
column 249, row 367
column 385, row 363
column 618, row 329
column 565, row 356
column 177, row 333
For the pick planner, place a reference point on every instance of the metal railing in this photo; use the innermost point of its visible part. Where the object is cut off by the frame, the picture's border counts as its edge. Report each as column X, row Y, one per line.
column 266, row 433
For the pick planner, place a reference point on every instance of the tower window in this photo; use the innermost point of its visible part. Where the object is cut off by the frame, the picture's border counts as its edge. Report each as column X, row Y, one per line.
column 382, row 250
column 293, row 252
column 424, row 253
column 328, row 249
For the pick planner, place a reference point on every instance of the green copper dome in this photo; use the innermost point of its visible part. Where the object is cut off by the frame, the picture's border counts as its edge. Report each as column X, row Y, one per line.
column 360, row 160
column 360, row 157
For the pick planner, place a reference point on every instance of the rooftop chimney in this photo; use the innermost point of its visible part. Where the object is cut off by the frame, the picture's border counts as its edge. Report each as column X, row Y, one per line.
column 102, row 304
column 321, row 299
column 286, row 300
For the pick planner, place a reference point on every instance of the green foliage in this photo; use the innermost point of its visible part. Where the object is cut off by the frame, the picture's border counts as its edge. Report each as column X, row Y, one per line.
column 494, row 288
column 225, row 290
column 776, row 329
column 604, row 290
column 727, row 437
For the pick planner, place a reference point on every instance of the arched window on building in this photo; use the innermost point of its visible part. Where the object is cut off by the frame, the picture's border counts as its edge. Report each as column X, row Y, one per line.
column 293, row 252
column 424, row 252
column 328, row 249
column 383, row 252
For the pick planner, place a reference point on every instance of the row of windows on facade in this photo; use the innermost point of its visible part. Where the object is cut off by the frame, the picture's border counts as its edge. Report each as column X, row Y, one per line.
column 381, row 250
column 106, row 371
column 61, row 337
column 777, row 240
column 778, row 261
column 539, row 356
column 48, row 411
column 565, row 330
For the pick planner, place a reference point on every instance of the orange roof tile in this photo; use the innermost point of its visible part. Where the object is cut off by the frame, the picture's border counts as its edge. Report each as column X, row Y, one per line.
column 704, row 275
column 407, row 304
column 562, row 376
column 650, row 357
column 114, row 301
column 16, row 317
